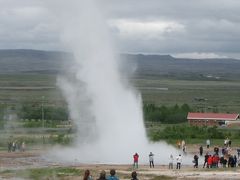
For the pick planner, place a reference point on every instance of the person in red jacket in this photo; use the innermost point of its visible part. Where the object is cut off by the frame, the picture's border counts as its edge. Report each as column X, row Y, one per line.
column 135, row 160
column 210, row 160
column 215, row 160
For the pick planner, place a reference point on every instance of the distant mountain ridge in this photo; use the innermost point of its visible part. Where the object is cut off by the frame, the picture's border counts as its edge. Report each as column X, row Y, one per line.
column 23, row 61
column 166, row 65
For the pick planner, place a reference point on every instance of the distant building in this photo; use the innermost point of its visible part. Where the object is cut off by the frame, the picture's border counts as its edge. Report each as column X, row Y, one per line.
column 212, row 119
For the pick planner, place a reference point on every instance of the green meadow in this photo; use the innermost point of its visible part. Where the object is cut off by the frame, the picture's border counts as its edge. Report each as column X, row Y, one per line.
column 36, row 90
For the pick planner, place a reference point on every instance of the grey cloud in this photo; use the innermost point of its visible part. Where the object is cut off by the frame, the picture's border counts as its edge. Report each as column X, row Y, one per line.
column 210, row 26
column 207, row 26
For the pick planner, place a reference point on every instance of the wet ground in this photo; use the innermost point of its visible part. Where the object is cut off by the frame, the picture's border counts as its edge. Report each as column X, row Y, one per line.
column 35, row 159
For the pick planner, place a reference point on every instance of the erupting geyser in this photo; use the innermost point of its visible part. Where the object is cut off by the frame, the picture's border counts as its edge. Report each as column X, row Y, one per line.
column 106, row 109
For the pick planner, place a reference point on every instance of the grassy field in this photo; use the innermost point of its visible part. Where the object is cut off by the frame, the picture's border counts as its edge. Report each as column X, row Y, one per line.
column 22, row 88
column 222, row 96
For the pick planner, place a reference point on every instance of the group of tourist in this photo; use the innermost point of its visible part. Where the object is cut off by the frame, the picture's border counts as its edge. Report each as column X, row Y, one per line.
column 103, row 176
column 151, row 161
column 135, row 160
column 178, row 161
column 224, row 158
column 182, row 145
column 213, row 161
column 14, row 146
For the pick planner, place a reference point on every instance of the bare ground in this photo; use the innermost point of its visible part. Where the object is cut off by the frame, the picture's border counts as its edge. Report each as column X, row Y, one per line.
column 33, row 159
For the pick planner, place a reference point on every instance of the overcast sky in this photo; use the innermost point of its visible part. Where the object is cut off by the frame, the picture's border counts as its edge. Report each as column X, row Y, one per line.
column 189, row 28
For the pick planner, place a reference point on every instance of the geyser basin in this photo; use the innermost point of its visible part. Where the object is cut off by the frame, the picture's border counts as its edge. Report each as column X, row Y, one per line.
column 106, row 110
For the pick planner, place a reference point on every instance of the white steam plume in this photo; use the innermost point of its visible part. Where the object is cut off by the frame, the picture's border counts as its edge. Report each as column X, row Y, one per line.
column 107, row 112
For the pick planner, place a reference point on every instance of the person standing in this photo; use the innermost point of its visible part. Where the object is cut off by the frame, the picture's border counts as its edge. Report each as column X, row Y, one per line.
column 179, row 144
column 185, row 149
column 226, row 142
column 151, row 160
column 183, row 144
column 195, row 161
column 135, row 160
column 13, row 146
column 216, row 150
column 238, row 152
column 214, row 161
column 231, row 161
column 224, row 162
column 208, row 143
column 201, row 150
column 229, row 142
column 205, row 160
column 170, row 166
column 221, row 161
column 23, row 146
column 209, row 161
column 179, row 161
column 9, row 146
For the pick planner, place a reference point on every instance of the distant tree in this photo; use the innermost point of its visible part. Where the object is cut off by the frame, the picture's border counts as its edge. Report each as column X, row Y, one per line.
column 163, row 114
column 185, row 108
column 34, row 111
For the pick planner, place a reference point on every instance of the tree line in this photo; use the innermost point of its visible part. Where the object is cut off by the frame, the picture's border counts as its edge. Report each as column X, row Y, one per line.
column 168, row 115
column 32, row 111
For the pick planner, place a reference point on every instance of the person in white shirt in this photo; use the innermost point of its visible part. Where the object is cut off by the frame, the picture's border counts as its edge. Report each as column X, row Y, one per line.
column 151, row 160
column 208, row 143
column 179, row 161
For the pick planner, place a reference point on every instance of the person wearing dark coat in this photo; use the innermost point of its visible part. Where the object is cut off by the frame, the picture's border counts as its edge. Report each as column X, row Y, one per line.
column 224, row 162
column 221, row 160
column 205, row 160
column 235, row 160
column 229, row 143
column 102, row 176
column 201, row 150
column 195, row 161
column 231, row 161
column 134, row 175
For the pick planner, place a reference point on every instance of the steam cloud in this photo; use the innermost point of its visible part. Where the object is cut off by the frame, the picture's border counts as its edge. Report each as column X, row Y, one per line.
column 106, row 109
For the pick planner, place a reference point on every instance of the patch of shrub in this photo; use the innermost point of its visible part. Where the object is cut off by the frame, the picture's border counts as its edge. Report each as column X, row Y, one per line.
column 187, row 132
column 168, row 115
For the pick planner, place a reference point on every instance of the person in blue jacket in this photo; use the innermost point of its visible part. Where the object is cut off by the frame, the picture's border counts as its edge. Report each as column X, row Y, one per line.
column 112, row 175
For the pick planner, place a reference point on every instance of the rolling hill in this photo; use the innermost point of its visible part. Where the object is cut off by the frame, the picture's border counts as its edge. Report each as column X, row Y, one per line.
column 36, row 61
